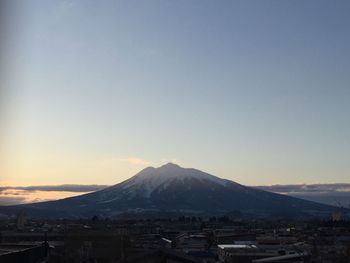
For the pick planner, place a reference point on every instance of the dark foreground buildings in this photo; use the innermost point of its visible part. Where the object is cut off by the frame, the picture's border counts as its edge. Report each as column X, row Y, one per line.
column 186, row 239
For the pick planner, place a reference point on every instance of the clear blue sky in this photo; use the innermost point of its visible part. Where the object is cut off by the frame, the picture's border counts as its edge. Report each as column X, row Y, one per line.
column 253, row 91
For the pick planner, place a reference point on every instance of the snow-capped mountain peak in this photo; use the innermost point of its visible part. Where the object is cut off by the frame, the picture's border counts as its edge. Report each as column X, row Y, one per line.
column 151, row 179
column 173, row 189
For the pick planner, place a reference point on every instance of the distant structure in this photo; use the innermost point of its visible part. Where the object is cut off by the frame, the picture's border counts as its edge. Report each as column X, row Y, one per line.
column 21, row 220
column 337, row 216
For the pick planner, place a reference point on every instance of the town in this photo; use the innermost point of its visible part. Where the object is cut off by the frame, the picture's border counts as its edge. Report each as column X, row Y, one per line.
column 182, row 239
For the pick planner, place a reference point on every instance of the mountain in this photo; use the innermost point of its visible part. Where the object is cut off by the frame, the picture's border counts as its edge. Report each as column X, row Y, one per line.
column 173, row 190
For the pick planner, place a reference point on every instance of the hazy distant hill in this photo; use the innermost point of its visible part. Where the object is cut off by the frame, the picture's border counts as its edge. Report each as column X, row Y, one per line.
column 171, row 189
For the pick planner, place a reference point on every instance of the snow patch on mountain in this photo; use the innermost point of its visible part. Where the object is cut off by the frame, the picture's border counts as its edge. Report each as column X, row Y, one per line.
column 151, row 179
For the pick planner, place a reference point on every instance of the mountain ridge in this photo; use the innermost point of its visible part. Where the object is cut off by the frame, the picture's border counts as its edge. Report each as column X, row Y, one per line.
column 173, row 189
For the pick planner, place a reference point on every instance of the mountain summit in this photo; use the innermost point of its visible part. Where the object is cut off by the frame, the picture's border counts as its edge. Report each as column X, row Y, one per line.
column 171, row 189
column 154, row 180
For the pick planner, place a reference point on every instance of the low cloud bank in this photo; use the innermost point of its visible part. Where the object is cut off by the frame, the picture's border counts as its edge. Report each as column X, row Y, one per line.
column 63, row 187
column 30, row 194
column 332, row 194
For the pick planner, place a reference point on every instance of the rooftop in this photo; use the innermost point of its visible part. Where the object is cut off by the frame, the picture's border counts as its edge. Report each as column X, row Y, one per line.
column 237, row 246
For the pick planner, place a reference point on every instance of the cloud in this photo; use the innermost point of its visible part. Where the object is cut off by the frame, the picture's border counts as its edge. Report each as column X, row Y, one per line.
column 28, row 194
column 331, row 194
column 16, row 196
column 59, row 188
column 304, row 188
column 134, row 161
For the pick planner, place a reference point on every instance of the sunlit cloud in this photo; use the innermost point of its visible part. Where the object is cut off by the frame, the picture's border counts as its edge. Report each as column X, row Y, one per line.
column 19, row 196
column 13, row 195
column 134, row 161
column 59, row 188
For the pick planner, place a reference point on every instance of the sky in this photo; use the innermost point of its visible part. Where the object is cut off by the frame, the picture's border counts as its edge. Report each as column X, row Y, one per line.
column 253, row 91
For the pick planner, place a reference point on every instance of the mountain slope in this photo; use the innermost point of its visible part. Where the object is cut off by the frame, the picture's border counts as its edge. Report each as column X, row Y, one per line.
column 172, row 189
